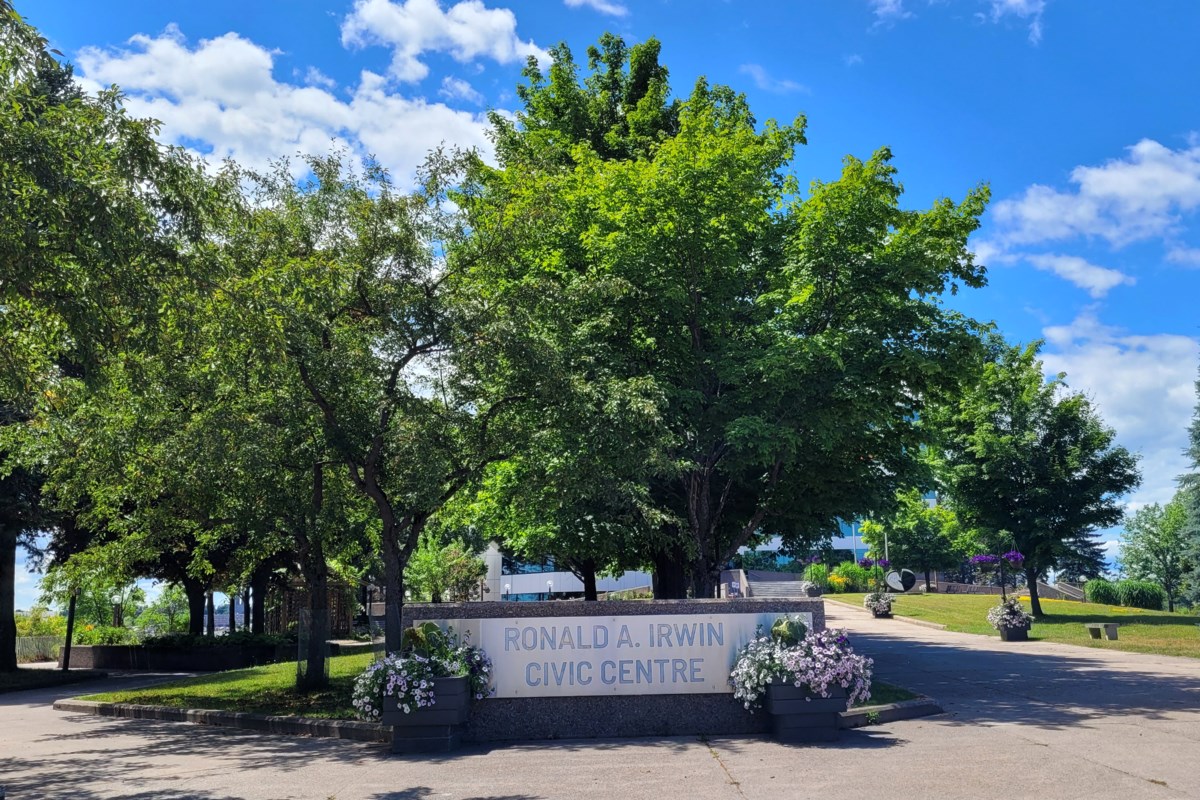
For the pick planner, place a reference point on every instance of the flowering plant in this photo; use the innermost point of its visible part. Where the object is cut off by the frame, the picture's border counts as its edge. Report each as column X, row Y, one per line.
column 987, row 561
column 412, row 678
column 820, row 661
column 879, row 602
column 1009, row 614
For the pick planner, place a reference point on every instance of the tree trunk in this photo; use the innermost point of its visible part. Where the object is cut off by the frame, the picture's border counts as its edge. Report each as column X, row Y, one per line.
column 670, row 573
column 589, row 580
column 212, row 613
column 393, row 591
column 927, row 581
column 704, row 580
column 232, row 612
column 246, row 608
column 1035, row 604
column 258, row 613
column 195, row 600
column 316, row 576
column 8, row 588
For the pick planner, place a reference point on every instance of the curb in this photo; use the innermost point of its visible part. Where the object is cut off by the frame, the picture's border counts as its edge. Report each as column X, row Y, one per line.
column 263, row 723
column 889, row 712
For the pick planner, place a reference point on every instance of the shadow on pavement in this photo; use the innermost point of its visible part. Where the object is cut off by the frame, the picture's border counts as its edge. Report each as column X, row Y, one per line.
column 987, row 685
column 99, row 754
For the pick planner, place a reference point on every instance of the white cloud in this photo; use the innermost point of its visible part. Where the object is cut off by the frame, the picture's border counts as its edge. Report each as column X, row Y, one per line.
column 221, row 94
column 1022, row 9
column 852, row 60
column 1188, row 256
column 603, row 6
column 26, row 588
column 1142, row 385
column 888, row 11
column 458, row 89
column 467, row 30
column 764, row 81
column 1124, row 200
column 314, row 77
column 1096, row 280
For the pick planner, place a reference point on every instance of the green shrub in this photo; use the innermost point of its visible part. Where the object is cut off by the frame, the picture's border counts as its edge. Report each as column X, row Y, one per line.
column 183, row 641
column 40, row 621
column 858, row 578
column 104, row 634
column 1098, row 590
column 1142, row 594
column 818, row 574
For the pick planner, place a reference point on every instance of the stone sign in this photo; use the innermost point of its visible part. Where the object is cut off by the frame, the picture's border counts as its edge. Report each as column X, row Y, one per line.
column 619, row 655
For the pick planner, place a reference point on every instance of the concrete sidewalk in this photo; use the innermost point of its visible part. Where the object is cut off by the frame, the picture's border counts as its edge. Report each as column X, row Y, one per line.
column 1024, row 719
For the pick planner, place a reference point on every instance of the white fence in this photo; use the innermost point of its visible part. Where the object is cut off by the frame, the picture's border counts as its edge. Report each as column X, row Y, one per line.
column 38, row 648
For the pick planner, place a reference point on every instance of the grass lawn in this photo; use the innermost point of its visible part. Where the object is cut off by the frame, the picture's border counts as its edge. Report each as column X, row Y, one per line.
column 41, row 678
column 886, row 693
column 1140, row 632
column 262, row 690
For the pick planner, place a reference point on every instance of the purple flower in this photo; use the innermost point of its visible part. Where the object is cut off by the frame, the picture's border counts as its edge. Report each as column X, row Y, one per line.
column 866, row 563
column 985, row 560
column 883, row 562
column 1013, row 557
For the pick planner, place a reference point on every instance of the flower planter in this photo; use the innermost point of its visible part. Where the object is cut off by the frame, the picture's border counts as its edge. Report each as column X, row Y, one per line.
column 798, row 715
column 882, row 614
column 1014, row 634
column 434, row 729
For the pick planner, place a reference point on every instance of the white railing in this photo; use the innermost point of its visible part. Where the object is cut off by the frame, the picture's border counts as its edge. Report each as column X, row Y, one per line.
column 38, row 648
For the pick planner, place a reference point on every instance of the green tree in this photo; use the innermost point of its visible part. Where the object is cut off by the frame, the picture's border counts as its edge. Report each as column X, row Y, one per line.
column 920, row 535
column 92, row 212
column 1154, row 546
column 1030, row 464
column 166, row 614
column 344, row 283
column 789, row 343
column 1189, row 496
column 108, row 594
column 440, row 571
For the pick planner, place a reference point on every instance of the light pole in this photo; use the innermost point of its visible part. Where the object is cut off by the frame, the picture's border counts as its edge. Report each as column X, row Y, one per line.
column 507, row 589
column 549, row 589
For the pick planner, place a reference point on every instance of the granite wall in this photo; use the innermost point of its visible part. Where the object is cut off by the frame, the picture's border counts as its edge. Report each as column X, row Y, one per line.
column 500, row 719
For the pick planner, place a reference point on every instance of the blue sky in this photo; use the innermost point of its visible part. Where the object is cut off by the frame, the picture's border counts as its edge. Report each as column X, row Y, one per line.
column 1081, row 117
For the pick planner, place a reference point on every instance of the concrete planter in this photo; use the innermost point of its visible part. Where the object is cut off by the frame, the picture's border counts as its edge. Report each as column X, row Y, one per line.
column 881, row 614
column 1014, row 634
column 797, row 715
column 437, row 729
column 174, row 659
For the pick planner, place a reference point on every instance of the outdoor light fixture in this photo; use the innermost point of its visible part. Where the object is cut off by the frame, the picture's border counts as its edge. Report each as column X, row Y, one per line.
column 507, row 588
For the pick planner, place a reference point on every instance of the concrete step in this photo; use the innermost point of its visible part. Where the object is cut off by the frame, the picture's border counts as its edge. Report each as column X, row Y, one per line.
column 781, row 589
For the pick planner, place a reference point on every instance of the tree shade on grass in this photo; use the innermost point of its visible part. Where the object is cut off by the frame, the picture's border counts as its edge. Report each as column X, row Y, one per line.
column 269, row 689
column 1141, row 631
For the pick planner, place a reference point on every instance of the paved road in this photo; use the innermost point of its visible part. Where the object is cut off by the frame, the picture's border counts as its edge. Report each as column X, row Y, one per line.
column 1023, row 720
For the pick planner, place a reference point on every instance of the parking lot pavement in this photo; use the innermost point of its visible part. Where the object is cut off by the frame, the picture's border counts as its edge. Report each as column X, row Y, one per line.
column 1022, row 719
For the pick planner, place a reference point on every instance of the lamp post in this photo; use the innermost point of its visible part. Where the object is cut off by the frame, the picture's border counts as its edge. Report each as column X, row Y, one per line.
column 549, row 589
column 507, row 589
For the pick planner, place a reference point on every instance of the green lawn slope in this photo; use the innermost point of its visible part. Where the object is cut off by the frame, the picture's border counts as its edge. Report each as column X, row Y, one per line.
column 1139, row 632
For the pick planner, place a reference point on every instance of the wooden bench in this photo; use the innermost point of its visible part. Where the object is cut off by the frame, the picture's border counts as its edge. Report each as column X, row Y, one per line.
column 1095, row 628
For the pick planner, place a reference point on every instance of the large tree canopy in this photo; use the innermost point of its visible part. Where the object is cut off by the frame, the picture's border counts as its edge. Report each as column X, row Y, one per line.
column 92, row 212
column 1031, row 464
column 790, row 343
